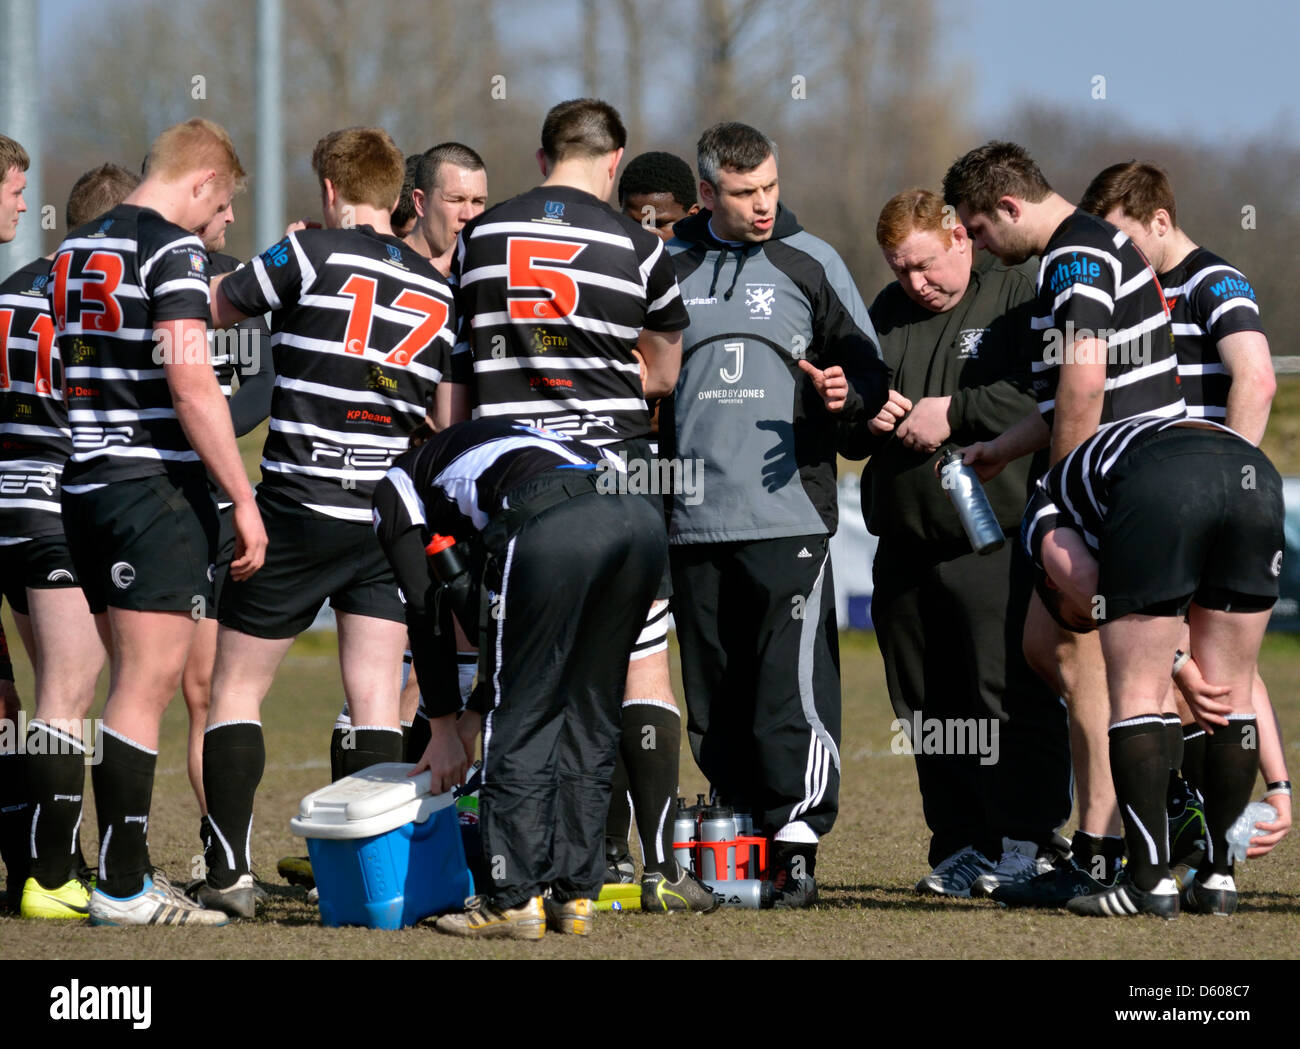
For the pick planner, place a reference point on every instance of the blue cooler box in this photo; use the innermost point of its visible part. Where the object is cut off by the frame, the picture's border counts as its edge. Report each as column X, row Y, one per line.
column 384, row 851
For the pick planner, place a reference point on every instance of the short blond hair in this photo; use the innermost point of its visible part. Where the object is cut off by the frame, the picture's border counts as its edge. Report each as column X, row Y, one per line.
column 363, row 164
column 196, row 144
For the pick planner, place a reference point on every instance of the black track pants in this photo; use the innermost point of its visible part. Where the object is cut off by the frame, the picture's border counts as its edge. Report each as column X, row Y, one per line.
column 569, row 595
column 760, row 664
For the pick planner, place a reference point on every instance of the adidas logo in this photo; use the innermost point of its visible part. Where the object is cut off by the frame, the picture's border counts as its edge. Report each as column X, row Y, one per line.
column 804, row 553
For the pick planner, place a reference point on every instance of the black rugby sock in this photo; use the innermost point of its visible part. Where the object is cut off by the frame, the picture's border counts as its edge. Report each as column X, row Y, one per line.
column 123, row 782
column 1099, row 856
column 415, row 737
column 56, row 780
column 234, row 758
column 369, row 746
column 650, row 743
column 1193, row 766
column 1174, row 741
column 1231, row 764
column 1139, row 765
column 15, row 821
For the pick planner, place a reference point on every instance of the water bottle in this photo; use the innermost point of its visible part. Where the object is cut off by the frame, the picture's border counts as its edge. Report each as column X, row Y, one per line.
column 718, row 824
column 745, row 829
column 683, row 834
column 749, row 893
column 967, row 495
column 445, row 558
column 1243, row 828
column 452, row 570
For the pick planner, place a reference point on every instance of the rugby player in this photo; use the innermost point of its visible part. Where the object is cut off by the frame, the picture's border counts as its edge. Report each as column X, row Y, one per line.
column 1106, row 354
column 558, row 290
column 129, row 298
column 520, row 500
column 658, row 191
column 1114, row 557
column 242, row 351
column 41, row 580
column 450, row 189
column 1225, row 370
column 363, row 332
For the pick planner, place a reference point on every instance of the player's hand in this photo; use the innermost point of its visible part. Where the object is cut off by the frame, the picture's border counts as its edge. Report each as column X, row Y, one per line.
column 985, row 456
column 927, row 427
column 894, row 409
column 831, row 384
column 468, row 728
column 301, row 224
column 250, row 540
column 10, row 704
column 1205, row 701
column 1262, row 844
column 444, row 756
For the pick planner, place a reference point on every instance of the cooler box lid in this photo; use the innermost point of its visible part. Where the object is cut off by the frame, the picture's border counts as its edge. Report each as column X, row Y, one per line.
column 373, row 801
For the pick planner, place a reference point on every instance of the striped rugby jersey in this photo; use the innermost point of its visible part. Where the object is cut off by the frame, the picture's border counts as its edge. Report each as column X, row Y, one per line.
column 112, row 280
column 361, row 331
column 35, row 439
column 1092, row 279
column 454, row 484
column 1208, row 301
column 555, row 287
column 234, row 350
column 1075, row 492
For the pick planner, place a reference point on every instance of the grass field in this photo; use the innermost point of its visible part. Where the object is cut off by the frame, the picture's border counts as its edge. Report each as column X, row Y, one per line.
column 866, row 869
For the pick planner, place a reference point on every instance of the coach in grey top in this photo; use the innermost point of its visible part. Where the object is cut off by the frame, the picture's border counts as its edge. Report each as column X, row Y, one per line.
column 780, row 368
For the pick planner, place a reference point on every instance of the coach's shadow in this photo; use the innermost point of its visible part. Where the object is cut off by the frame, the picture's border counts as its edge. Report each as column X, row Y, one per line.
column 779, row 463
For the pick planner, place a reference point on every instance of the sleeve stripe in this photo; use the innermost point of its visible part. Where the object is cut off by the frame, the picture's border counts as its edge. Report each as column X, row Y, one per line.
column 672, row 293
column 184, row 284
column 1087, row 293
column 1231, row 304
column 264, row 282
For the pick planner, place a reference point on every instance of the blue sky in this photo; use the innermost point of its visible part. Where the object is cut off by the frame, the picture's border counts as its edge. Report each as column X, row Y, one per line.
column 1218, row 70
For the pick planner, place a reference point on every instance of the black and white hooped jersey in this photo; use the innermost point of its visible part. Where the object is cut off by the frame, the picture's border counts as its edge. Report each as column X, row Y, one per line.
column 1093, row 280
column 35, row 440
column 458, row 480
column 112, row 281
column 555, row 288
column 233, row 350
column 1208, row 301
column 362, row 329
column 1076, row 491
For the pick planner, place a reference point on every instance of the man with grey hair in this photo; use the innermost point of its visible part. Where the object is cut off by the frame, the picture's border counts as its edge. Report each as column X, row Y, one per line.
column 783, row 370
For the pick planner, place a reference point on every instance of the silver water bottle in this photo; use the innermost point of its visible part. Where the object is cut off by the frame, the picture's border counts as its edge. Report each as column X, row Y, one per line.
column 718, row 824
column 683, row 835
column 967, row 494
column 749, row 893
column 746, row 853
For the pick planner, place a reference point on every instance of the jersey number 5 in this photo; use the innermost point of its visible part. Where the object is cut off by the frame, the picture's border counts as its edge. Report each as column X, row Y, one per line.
column 43, row 329
column 521, row 256
column 432, row 314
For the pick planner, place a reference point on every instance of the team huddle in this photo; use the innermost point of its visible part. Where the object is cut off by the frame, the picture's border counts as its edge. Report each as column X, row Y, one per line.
column 462, row 404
